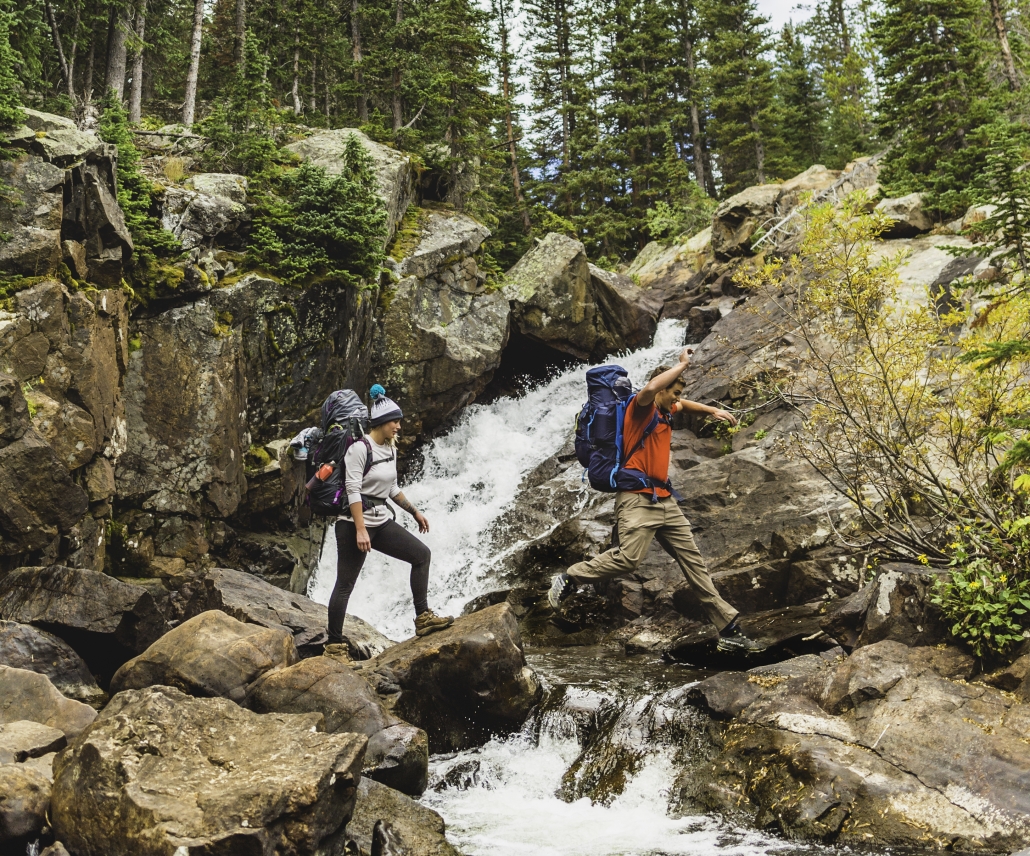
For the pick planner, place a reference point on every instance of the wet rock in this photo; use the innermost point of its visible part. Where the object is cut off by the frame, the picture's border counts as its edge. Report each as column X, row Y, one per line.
column 397, row 753
column 55, row 849
column 442, row 332
column 159, row 771
column 248, row 598
column 461, row 684
column 24, row 739
column 185, row 396
column 296, row 347
column 393, row 170
column 24, row 802
column 410, row 827
column 30, row 696
column 724, row 695
column 906, row 214
column 25, row 647
column 920, row 754
column 97, row 614
column 900, row 607
column 736, row 220
column 787, row 632
column 554, row 300
column 211, row 654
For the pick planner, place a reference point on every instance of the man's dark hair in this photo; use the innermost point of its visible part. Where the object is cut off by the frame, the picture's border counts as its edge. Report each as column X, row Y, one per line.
column 659, row 370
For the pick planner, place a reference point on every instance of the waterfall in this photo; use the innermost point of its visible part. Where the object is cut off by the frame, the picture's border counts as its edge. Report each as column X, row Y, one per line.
column 470, row 477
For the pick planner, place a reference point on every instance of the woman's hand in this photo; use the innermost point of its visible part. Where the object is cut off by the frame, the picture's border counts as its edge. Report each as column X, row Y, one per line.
column 364, row 542
column 423, row 524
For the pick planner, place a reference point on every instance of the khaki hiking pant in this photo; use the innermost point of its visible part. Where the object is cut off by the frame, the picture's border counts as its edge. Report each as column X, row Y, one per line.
column 640, row 521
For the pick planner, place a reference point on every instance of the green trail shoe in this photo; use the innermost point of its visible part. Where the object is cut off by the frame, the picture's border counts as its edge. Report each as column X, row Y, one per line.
column 339, row 652
column 733, row 641
column 429, row 622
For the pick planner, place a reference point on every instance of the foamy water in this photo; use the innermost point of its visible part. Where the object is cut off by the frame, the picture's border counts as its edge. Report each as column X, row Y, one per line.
column 469, row 478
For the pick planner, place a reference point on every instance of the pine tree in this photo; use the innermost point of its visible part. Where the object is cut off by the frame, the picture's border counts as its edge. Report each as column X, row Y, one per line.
column 800, row 109
column 10, row 103
column 934, row 97
column 742, row 92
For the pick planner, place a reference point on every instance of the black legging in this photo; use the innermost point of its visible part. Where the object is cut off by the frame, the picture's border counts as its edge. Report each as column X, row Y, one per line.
column 393, row 540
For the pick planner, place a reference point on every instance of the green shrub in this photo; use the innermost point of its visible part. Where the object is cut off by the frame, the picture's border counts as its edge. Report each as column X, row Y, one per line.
column 986, row 596
column 316, row 226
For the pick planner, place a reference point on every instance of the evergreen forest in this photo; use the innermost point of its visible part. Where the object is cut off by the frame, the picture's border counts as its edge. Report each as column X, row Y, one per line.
column 612, row 121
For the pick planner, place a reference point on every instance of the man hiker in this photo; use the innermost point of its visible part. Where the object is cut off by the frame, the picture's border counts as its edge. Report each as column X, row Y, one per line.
column 652, row 512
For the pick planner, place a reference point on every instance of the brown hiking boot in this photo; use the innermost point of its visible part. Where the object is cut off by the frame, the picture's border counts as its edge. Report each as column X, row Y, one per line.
column 339, row 652
column 429, row 622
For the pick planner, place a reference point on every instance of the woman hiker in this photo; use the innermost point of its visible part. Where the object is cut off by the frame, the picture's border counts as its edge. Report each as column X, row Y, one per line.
column 651, row 512
column 368, row 523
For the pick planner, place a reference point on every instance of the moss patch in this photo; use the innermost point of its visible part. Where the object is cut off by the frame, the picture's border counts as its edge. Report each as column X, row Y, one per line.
column 409, row 233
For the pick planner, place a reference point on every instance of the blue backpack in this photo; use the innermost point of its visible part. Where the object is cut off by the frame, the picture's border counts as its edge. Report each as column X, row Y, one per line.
column 599, row 445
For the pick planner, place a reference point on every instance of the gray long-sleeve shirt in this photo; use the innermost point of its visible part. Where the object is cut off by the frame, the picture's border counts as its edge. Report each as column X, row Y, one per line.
column 381, row 481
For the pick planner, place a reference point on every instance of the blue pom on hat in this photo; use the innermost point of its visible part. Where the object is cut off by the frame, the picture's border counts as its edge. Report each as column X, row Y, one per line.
column 376, row 391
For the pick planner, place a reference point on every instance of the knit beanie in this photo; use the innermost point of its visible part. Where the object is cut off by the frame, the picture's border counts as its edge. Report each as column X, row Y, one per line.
column 383, row 409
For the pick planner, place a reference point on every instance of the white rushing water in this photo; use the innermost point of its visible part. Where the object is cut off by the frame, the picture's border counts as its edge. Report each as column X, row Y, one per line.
column 469, row 478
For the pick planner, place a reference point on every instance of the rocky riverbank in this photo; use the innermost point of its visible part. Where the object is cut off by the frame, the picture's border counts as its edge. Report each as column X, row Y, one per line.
column 158, row 657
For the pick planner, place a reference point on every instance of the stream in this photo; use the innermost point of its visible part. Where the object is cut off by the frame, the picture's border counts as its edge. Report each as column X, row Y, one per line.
column 610, row 727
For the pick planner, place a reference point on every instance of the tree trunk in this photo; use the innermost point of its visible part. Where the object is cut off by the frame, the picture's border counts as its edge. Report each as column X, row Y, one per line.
column 359, row 78
column 295, row 91
column 189, row 107
column 1003, row 40
column 114, row 78
column 76, row 29
column 136, row 90
column 87, row 81
column 66, row 74
column 314, row 91
column 695, row 117
column 398, row 111
column 759, row 149
column 241, row 35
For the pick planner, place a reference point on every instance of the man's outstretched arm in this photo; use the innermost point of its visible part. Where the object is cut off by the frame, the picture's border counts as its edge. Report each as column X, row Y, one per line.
column 688, row 406
column 645, row 398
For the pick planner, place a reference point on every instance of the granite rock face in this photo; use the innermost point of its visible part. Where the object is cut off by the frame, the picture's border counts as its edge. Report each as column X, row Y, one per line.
column 160, row 772
column 30, row 696
column 442, row 331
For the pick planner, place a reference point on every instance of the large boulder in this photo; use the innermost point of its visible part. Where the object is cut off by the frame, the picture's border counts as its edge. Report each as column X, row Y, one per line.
column 384, row 814
column 25, row 647
column 393, row 170
column 554, row 300
column 104, row 619
column 209, row 655
column 631, row 311
column 24, row 803
column 442, row 331
column 738, row 218
column 160, row 772
column 296, row 347
column 185, row 399
column 29, row 695
column 906, row 215
column 248, row 598
column 890, row 747
column 397, row 753
column 461, row 684
column 211, row 212
column 814, row 179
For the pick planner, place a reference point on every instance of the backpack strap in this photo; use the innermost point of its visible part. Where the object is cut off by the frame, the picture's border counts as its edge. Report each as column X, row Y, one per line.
column 645, row 480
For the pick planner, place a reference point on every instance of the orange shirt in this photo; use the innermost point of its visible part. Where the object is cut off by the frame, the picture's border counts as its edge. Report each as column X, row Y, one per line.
column 652, row 458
